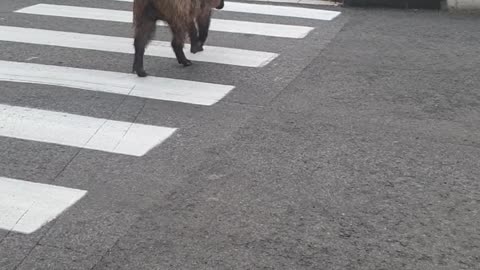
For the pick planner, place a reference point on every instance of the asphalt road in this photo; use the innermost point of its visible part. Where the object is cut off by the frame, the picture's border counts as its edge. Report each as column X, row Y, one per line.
column 356, row 148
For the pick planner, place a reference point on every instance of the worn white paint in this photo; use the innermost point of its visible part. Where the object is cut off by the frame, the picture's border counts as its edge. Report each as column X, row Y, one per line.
column 25, row 206
column 464, row 4
column 302, row 2
column 286, row 11
column 220, row 55
column 80, row 131
column 314, row 2
column 113, row 82
column 230, row 26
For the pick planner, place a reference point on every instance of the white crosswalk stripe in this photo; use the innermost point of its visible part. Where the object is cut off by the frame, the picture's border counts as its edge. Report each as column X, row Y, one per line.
column 27, row 206
column 232, row 26
column 296, row 12
column 113, row 82
column 219, row 55
column 303, row 2
column 80, row 131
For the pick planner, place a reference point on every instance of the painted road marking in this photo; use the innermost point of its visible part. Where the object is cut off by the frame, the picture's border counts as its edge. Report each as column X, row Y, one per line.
column 297, row 12
column 286, row 11
column 113, row 82
column 220, row 55
column 231, row 26
column 80, row 131
column 303, row 2
column 25, row 206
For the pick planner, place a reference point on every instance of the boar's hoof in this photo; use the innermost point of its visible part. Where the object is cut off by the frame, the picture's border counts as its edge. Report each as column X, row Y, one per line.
column 196, row 48
column 141, row 73
column 186, row 63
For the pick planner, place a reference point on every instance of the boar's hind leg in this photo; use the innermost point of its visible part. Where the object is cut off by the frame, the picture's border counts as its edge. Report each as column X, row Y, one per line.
column 195, row 45
column 144, row 31
column 178, row 41
column 203, row 26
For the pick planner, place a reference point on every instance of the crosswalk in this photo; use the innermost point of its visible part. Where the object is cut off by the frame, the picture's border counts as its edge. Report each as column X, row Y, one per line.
column 286, row 11
column 219, row 55
column 229, row 26
column 25, row 206
column 80, row 131
column 184, row 91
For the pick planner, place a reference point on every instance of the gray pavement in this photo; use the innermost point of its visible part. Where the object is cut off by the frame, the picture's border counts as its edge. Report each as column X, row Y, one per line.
column 357, row 148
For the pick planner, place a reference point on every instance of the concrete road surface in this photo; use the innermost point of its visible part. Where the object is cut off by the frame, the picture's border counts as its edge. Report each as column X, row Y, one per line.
column 303, row 137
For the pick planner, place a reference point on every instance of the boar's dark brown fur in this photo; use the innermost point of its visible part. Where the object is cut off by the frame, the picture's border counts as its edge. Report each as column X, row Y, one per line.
column 182, row 16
